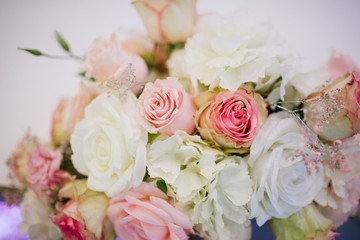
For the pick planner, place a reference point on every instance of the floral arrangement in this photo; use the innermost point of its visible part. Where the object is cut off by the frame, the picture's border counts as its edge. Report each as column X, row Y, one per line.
column 192, row 130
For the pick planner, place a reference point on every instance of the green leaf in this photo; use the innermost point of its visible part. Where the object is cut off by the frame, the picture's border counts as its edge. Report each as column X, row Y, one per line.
column 162, row 185
column 152, row 137
column 32, row 51
column 62, row 42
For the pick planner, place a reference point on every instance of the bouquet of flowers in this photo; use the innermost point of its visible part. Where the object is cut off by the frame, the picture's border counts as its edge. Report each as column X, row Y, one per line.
column 192, row 130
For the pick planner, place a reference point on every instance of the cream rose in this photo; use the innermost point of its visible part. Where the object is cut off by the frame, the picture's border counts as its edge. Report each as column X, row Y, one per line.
column 166, row 107
column 109, row 144
column 283, row 184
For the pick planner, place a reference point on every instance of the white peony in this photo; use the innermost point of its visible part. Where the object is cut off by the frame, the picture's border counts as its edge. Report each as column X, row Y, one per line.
column 109, row 144
column 282, row 185
column 222, row 213
column 229, row 51
column 185, row 162
column 35, row 213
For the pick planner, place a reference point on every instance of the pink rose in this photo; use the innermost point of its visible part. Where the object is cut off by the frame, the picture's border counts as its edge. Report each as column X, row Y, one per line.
column 44, row 169
column 144, row 213
column 352, row 102
column 68, row 112
column 70, row 222
column 335, row 113
column 168, row 21
column 339, row 64
column 231, row 119
column 166, row 107
column 18, row 162
column 105, row 59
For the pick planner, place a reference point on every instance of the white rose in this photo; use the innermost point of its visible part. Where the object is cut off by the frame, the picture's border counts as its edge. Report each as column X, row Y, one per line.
column 109, row 144
column 222, row 213
column 35, row 213
column 282, row 184
column 185, row 162
column 232, row 50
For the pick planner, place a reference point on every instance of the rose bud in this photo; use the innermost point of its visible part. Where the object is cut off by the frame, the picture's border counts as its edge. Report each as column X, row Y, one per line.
column 335, row 112
column 168, row 21
column 231, row 119
column 68, row 112
column 106, row 59
column 165, row 107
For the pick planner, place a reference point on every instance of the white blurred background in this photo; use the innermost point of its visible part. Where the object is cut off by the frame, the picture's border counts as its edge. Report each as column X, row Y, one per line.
column 30, row 87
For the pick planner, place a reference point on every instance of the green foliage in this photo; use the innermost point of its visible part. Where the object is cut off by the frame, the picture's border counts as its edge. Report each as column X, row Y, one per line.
column 62, row 41
column 162, row 185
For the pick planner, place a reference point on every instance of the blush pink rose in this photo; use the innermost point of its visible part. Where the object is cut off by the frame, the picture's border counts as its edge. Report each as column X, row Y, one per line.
column 68, row 112
column 143, row 213
column 44, row 169
column 339, row 64
column 105, row 59
column 352, row 102
column 70, row 223
column 166, row 107
column 231, row 119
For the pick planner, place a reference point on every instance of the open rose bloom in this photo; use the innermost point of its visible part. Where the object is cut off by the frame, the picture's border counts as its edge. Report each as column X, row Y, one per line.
column 195, row 129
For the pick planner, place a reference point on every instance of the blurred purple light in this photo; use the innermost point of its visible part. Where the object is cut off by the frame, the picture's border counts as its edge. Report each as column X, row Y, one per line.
column 10, row 218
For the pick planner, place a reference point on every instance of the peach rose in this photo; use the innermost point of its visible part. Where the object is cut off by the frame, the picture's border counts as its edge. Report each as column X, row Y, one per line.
column 231, row 119
column 144, row 213
column 44, row 169
column 168, row 21
column 105, row 59
column 68, row 112
column 335, row 113
column 339, row 64
column 166, row 107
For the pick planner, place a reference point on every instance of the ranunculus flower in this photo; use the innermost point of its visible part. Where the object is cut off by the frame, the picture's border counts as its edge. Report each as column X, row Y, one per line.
column 109, row 144
column 44, row 169
column 84, row 215
column 144, row 213
column 222, row 214
column 105, row 60
column 335, row 113
column 232, row 50
column 18, row 161
column 231, row 119
column 339, row 64
column 306, row 224
column 168, row 21
column 166, row 107
column 36, row 223
column 68, row 112
column 278, row 160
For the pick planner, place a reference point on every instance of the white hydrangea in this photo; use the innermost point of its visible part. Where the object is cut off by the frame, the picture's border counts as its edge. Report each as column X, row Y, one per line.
column 229, row 51
column 185, row 162
column 109, row 144
column 36, row 222
column 282, row 185
column 222, row 213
